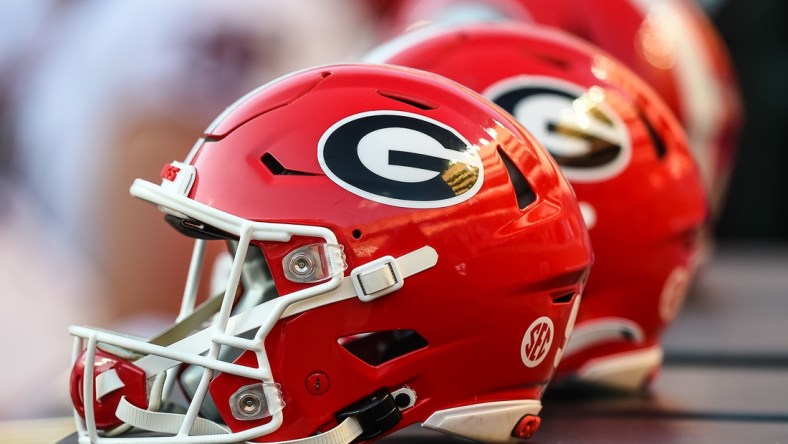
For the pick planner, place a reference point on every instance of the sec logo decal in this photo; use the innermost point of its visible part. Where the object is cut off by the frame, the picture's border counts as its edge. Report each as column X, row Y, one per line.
column 588, row 140
column 401, row 159
column 537, row 342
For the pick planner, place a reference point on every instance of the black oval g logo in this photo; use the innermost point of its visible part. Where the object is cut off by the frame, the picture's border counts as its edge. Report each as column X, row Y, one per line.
column 589, row 141
column 401, row 159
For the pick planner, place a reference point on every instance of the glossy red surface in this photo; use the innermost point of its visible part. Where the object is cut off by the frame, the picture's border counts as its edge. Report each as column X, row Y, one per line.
column 134, row 389
column 647, row 216
column 670, row 44
column 499, row 266
column 631, row 31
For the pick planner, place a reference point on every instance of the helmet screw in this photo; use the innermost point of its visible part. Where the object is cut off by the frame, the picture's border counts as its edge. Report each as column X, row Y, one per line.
column 317, row 383
column 249, row 404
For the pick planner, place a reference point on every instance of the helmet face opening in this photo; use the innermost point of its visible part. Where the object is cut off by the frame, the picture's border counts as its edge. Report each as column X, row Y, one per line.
column 215, row 348
column 385, row 227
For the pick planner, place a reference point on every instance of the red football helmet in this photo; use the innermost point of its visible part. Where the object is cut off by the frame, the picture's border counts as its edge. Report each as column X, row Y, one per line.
column 406, row 253
column 627, row 159
column 670, row 44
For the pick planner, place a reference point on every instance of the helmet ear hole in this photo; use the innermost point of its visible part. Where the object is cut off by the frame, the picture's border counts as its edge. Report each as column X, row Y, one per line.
column 356, row 234
column 380, row 347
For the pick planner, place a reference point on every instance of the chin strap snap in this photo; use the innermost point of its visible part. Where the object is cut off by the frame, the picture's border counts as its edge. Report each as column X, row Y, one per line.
column 375, row 414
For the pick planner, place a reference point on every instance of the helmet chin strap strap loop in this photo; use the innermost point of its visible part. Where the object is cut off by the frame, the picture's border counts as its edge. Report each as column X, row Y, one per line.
column 344, row 433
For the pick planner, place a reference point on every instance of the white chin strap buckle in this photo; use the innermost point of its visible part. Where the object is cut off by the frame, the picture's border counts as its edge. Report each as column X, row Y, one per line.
column 377, row 278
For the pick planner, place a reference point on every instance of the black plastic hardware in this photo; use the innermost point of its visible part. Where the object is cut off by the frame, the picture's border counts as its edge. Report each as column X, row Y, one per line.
column 376, row 414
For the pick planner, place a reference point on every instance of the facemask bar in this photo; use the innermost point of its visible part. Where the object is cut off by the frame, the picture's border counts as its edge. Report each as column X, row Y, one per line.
column 192, row 280
column 223, row 332
column 258, row 287
column 187, row 303
column 367, row 282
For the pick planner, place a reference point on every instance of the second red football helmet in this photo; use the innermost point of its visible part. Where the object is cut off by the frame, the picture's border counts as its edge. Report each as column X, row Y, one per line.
column 670, row 44
column 627, row 159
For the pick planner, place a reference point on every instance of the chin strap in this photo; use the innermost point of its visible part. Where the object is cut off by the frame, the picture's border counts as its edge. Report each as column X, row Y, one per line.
column 164, row 422
column 393, row 270
column 367, row 282
column 344, row 433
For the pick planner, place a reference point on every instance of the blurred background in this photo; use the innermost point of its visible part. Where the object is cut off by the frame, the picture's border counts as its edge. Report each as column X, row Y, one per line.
column 96, row 93
column 92, row 95
column 756, row 209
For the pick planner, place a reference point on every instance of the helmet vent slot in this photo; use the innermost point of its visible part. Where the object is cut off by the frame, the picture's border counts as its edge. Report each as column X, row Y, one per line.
column 277, row 169
column 522, row 189
column 555, row 62
column 408, row 100
column 377, row 348
column 564, row 298
column 653, row 134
